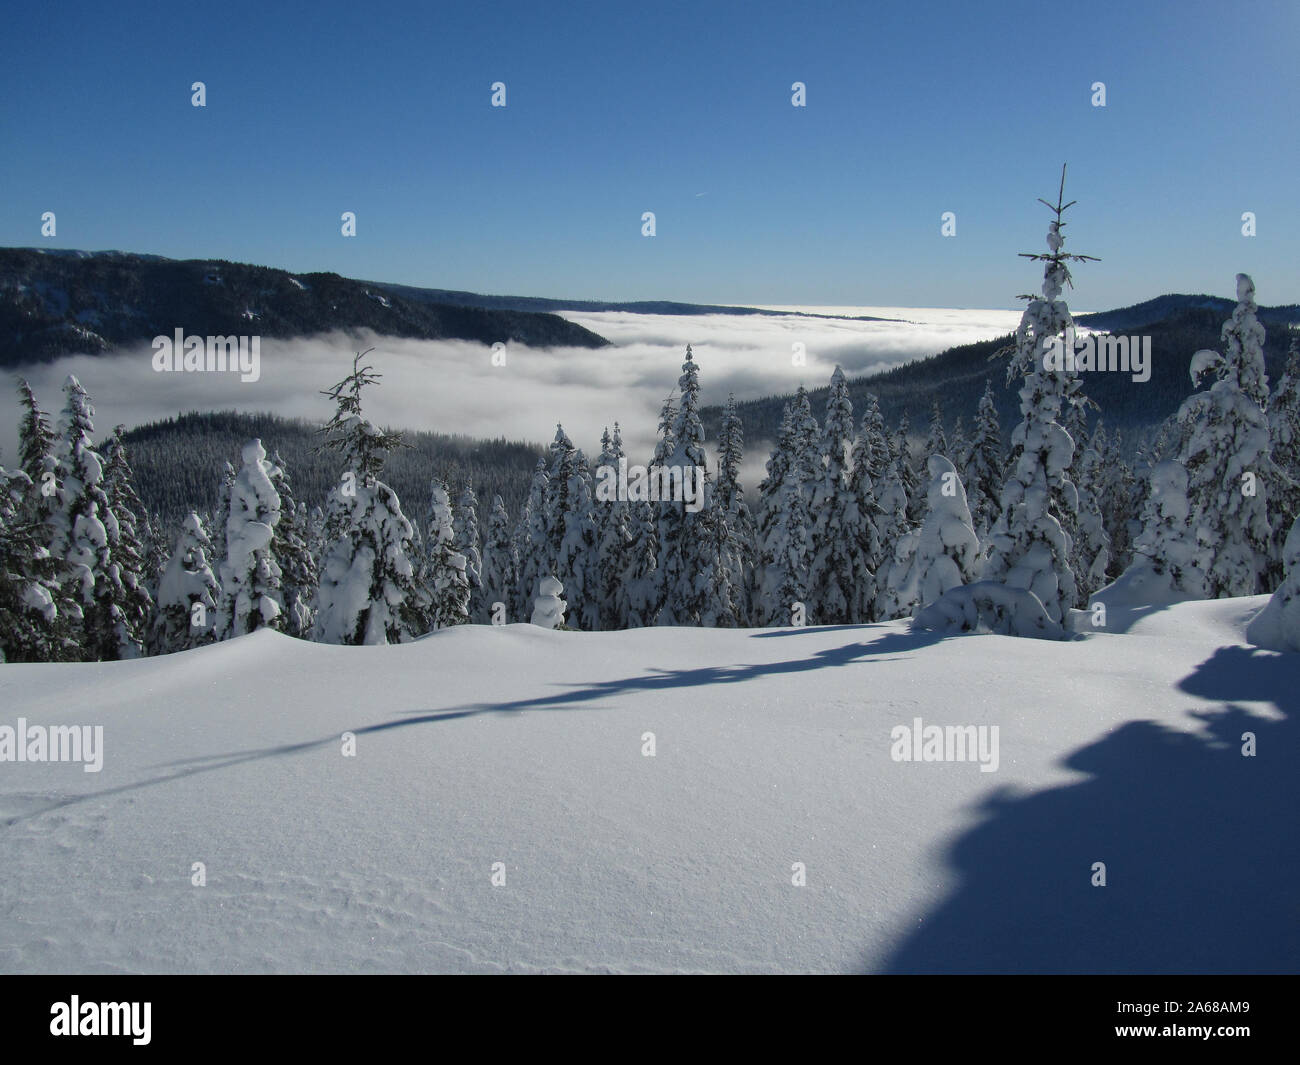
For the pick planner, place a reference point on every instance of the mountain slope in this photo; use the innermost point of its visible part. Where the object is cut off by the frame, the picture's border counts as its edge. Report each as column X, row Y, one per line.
column 955, row 378
column 56, row 303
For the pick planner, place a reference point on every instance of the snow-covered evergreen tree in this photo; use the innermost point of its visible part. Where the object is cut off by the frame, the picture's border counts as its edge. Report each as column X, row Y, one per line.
column 958, row 445
column 687, row 557
column 612, row 533
column 578, row 562
column 869, row 464
column 1091, row 555
column 187, row 594
column 33, row 628
column 38, row 458
column 837, row 563
column 947, row 551
column 908, row 475
column 897, row 542
column 532, row 545
column 250, row 575
column 983, row 473
column 638, row 599
column 500, row 563
column 548, row 607
column 1226, row 455
column 129, row 551
column 1118, row 497
column 465, row 526
column 1029, row 547
column 221, row 514
column 785, row 527
column 368, row 592
column 1167, row 544
column 445, row 577
column 936, row 439
column 572, row 554
column 733, row 529
column 85, row 532
column 289, row 547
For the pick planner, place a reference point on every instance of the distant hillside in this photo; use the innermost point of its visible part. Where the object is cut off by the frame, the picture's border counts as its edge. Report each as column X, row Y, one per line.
column 1162, row 308
column 541, row 303
column 60, row 302
column 208, row 441
column 956, row 377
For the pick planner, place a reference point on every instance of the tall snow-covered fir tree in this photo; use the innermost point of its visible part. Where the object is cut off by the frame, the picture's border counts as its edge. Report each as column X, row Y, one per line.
column 909, row 476
column 85, row 532
column 936, row 439
column 1226, row 453
column 1118, row 497
column 947, row 551
column 465, row 526
column 1029, row 547
column 578, row 562
column 982, row 473
column 1167, row 561
column 38, row 458
column 188, row 593
column 836, row 563
column 733, row 528
column 33, row 628
column 289, row 547
column 612, row 532
column 571, row 532
column 869, row 465
column 250, row 575
column 129, row 552
column 638, row 598
column 221, row 512
column 958, row 445
column 500, row 563
column 1090, row 560
column 444, row 576
column 368, row 592
column 785, row 550
column 687, row 557
column 898, row 534
column 532, row 545
column 556, row 502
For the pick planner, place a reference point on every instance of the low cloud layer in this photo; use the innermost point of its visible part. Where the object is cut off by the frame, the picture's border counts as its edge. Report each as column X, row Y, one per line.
column 453, row 386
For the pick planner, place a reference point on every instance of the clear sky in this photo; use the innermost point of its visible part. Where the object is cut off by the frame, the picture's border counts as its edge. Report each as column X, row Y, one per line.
column 683, row 109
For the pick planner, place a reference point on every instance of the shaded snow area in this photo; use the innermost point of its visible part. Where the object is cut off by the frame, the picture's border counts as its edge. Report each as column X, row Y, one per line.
column 524, row 746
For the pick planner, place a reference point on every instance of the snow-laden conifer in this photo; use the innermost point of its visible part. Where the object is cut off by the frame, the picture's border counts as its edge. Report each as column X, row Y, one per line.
column 368, row 592
column 1226, row 454
column 187, row 593
column 250, row 576
column 1029, row 547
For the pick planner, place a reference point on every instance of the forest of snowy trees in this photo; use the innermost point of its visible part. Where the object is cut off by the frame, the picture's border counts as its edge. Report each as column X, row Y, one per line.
column 853, row 523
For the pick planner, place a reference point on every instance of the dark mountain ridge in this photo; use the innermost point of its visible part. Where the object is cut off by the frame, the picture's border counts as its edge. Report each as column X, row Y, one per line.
column 62, row 302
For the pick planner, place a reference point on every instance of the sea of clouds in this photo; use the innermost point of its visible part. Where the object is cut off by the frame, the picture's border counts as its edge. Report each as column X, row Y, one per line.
column 453, row 386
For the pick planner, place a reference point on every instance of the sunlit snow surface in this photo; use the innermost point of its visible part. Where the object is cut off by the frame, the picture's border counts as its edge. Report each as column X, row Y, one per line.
column 524, row 746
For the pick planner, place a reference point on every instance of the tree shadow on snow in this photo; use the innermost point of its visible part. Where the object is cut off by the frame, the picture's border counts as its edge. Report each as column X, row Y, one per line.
column 893, row 645
column 1201, row 847
column 587, row 696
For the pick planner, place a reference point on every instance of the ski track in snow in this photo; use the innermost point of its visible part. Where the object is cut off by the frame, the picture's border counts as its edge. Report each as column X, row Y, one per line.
column 523, row 746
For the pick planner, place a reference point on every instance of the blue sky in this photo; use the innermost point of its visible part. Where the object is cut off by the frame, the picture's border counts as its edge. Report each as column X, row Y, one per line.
column 682, row 109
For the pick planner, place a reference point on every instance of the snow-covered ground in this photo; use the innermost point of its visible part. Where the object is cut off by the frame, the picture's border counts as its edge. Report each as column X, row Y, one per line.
column 523, row 746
